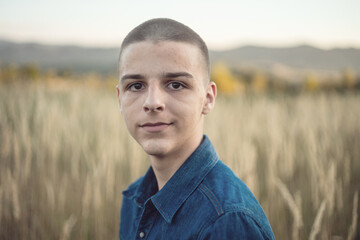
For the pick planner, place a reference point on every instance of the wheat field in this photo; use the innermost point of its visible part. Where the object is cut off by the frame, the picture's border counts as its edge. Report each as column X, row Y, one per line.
column 65, row 157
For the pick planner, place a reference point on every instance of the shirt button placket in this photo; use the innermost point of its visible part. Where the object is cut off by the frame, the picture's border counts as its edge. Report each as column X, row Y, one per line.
column 146, row 221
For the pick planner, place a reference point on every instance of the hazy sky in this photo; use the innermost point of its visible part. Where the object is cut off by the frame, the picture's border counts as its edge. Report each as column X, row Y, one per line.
column 222, row 24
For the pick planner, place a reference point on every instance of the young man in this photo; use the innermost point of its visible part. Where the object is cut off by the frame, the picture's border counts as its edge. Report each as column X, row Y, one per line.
column 188, row 193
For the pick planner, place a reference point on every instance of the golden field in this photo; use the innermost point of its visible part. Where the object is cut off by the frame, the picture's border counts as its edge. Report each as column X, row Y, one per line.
column 66, row 156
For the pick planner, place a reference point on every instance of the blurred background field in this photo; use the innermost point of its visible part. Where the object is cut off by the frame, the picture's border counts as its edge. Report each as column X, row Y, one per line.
column 65, row 157
column 286, row 118
column 290, row 130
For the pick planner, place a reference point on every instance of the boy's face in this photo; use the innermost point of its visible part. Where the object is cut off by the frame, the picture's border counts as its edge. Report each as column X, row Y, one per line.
column 163, row 94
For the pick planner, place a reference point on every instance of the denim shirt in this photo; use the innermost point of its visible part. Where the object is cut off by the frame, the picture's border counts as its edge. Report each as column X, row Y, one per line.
column 204, row 199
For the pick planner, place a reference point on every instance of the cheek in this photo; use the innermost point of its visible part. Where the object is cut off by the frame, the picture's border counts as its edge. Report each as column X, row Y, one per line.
column 190, row 111
column 129, row 110
column 129, row 102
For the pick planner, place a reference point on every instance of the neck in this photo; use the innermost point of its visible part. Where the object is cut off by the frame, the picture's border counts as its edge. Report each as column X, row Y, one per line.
column 165, row 166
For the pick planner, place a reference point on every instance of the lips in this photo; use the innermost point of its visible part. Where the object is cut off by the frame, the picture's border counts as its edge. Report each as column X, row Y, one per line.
column 155, row 127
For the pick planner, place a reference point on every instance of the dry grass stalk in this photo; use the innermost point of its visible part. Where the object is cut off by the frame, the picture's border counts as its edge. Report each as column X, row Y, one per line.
column 339, row 197
column 317, row 223
column 331, row 182
column 5, row 143
column 86, row 198
column 27, row 160
column 110, row 182
column 347, row 170
column 97, row 196
column 298, row 222
column 298, row 200
column 15, row 200
column 17, row 154
column 50, row 194
column 1, row 202
column 247, row 169
column 62, row 193
column 68, row 226
column 352, row 230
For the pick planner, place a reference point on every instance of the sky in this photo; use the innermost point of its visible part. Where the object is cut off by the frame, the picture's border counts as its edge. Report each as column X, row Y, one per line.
column 222, row 24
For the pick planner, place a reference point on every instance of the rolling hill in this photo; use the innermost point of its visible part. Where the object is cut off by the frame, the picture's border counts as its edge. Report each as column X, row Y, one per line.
column 104, row 60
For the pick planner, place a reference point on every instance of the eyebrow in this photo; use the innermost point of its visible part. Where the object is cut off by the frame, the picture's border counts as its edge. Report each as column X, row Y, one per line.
column 177, row 74
column 164, row 75
column 131, row 76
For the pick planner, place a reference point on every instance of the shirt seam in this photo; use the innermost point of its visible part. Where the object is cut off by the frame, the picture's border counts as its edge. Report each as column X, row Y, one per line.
column 212, row 198
column 167, row 218
column 234, row 209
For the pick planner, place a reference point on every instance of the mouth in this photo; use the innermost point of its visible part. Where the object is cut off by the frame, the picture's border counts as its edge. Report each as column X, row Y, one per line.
column 155, row 127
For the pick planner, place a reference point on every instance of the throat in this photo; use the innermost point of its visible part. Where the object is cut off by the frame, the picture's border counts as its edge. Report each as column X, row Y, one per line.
column 165, row 166
column 164, row 169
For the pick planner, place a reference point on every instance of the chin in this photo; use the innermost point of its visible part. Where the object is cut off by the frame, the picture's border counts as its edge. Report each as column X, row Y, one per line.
column 156, row 147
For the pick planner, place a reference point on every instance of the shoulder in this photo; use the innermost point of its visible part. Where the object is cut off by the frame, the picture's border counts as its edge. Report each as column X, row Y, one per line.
column 238, row 211
column 235, row 225
column 229, row 189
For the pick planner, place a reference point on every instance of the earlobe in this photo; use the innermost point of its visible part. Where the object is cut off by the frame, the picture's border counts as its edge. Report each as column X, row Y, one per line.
column 211, row 92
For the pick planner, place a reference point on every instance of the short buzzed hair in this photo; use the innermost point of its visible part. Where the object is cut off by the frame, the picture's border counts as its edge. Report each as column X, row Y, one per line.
column 165, row 29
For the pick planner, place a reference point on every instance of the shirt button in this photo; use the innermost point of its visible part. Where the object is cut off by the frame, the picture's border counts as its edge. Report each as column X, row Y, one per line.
column 141, row 234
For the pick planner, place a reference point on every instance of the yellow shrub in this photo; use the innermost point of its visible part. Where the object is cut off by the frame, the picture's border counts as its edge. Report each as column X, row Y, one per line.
column 225, row 80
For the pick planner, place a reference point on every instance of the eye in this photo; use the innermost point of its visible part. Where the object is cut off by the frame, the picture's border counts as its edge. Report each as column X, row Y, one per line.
column 176, row 86
column 136, row 87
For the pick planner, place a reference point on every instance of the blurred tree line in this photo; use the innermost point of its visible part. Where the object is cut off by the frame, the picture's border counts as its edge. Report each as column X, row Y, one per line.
column 234, row 81
column 29, row 72
column 12, row 73
column 229, row 81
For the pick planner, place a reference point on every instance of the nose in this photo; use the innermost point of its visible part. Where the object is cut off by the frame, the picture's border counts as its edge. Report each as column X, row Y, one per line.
column 154, row 99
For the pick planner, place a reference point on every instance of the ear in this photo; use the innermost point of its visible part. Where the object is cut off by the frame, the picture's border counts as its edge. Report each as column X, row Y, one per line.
column 118, row 97
column 210, row 98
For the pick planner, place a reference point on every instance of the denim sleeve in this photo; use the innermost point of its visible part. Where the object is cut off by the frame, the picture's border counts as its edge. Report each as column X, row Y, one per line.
column 236, row 225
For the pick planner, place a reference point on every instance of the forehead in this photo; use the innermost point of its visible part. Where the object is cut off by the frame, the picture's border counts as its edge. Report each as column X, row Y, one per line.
column 165, row 55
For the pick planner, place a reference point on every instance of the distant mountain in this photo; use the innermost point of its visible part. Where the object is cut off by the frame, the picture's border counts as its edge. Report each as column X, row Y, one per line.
column 299, row 57
column 85, row 59
column 75, row 58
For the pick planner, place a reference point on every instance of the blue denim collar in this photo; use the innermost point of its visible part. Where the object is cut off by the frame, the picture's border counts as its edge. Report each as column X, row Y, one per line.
column 175, row 192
